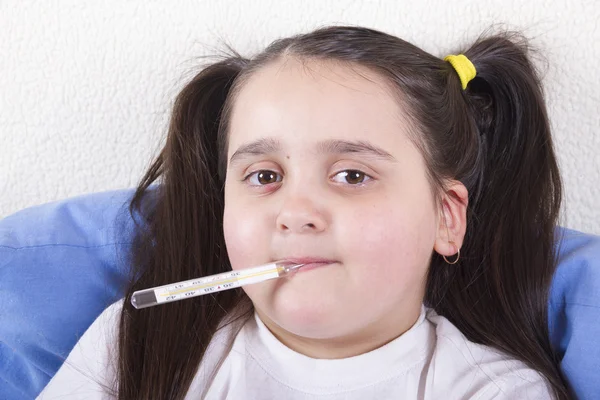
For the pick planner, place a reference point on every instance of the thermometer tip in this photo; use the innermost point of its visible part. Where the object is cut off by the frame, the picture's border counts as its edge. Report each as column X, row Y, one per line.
column 294, row 267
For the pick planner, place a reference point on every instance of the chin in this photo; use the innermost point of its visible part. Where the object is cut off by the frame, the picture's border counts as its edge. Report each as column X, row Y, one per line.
column 311, row 319
column 304, row 308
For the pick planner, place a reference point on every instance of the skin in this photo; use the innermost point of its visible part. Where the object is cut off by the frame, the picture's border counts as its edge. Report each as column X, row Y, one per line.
column 373, row 214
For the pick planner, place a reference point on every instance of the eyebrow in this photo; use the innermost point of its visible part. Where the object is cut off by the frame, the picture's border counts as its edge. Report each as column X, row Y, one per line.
column 333, row 146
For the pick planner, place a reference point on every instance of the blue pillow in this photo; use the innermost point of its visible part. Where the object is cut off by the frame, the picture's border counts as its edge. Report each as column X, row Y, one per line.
column 574, row 311
column 63, row 263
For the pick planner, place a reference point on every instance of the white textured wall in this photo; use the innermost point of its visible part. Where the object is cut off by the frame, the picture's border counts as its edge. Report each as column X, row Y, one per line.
column 85, row 86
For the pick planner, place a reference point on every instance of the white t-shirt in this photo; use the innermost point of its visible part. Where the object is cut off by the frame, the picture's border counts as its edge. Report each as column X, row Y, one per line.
column 432, row 360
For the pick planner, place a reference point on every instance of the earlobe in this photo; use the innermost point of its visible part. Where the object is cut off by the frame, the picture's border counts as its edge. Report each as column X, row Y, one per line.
column 452, row 222
column 457, row 254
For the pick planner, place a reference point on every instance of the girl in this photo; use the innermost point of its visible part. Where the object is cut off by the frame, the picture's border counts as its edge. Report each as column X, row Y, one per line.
column 423, row 191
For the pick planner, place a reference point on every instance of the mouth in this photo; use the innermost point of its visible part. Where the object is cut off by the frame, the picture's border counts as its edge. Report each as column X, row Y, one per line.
column 310, row 263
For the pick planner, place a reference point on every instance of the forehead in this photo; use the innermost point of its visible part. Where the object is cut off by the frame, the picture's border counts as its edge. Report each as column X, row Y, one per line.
column 300, row 101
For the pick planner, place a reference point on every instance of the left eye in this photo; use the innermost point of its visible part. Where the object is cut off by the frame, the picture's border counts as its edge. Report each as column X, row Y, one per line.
column 263, row 177
column 351, row 176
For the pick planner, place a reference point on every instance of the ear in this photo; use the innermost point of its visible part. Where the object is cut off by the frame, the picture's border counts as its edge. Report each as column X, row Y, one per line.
column 452, row 223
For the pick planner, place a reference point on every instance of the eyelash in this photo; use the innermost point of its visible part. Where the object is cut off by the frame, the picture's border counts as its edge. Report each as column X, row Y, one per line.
column 366, row 178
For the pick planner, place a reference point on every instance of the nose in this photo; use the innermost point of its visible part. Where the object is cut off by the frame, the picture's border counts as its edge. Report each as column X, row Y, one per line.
column 299, row 214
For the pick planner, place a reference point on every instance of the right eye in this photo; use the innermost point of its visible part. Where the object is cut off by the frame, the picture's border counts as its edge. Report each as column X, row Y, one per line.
column 263, row 177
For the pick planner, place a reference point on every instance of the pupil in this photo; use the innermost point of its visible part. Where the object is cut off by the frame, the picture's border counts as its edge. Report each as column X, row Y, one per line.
column 266, row 177
column 354, row 177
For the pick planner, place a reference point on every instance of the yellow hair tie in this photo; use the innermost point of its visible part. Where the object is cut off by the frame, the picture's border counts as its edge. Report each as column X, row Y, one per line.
column 464, row 67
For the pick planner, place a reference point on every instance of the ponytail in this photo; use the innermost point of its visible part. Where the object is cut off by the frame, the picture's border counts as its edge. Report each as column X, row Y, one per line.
column 160, row 348
column 498, row 295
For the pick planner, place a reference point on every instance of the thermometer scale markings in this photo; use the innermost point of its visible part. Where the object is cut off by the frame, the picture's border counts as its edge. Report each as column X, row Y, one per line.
column 226, row 283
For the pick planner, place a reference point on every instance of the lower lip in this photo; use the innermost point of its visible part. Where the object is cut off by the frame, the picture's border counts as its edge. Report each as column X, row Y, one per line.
column 311, row 266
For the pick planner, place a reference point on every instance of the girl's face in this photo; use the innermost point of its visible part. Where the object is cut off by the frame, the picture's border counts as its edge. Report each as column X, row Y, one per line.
column 320, row 167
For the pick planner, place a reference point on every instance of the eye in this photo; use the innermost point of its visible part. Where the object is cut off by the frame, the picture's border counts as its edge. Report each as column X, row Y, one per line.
column 263, row 177
column 351, row 176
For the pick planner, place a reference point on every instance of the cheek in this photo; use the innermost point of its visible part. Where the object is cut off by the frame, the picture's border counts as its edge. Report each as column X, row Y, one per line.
column 242, row 237
column 248, row 231
column 247, row 238
column 392, row 247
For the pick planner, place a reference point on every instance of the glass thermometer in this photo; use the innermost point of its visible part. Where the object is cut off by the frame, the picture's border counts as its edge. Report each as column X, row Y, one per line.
column 211, row 284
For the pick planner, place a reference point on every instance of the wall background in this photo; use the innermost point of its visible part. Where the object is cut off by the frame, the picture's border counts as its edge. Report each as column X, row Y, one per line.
column 85, row 87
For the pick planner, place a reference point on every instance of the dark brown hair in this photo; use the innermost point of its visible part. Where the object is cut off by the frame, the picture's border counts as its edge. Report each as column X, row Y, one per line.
column 494, row 137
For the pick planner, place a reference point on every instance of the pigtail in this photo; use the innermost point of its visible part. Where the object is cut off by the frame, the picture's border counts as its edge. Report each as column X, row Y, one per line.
column 498, row 294
column 160, row 348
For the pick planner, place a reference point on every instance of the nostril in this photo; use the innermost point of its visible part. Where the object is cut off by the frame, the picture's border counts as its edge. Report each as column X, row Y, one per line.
column 309, row 226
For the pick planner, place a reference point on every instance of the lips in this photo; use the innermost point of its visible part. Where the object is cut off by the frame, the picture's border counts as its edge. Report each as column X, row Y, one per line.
column 309, row 262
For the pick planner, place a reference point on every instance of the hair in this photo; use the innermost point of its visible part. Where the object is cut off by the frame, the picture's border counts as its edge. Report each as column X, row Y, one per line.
column 494, row 137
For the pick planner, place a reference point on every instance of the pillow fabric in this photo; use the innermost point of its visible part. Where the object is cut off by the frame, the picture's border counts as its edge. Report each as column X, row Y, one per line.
column 574, row 310
column 61, row 265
